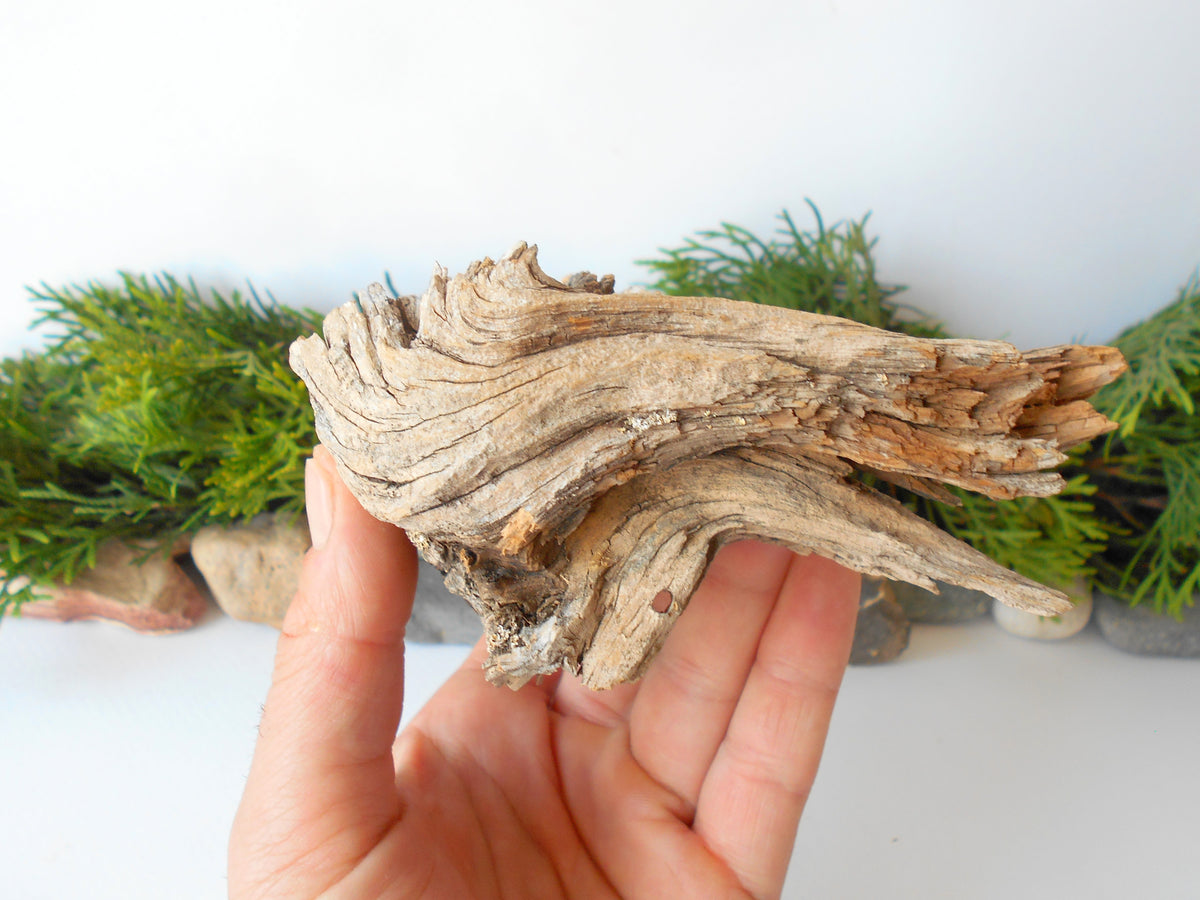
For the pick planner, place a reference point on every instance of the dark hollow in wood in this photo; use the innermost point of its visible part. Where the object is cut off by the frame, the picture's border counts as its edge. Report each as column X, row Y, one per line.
column 569, row 456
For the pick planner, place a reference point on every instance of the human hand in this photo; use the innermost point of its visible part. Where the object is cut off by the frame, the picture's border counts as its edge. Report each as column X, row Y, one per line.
column 689, row 783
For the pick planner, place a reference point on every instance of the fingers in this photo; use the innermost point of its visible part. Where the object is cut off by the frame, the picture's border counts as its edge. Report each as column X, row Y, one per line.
column 629, row 823
column 608, row 707
column 500, row 740
column 751, row 800
column 468, row 716
column 686, row 699
column 467, row 696
column 339, row 669
column 331, row 715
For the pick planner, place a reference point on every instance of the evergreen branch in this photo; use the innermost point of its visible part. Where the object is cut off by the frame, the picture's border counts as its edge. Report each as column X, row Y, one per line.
column 152, row 410
column 1049, row 539
column 1149, row 470
column 829, row 270
column 1164, row 362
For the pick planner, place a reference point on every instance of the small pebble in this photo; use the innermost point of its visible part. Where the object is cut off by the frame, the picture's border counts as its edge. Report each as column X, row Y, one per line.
column 882, row 630
column 1045, row 628
column 952, row 604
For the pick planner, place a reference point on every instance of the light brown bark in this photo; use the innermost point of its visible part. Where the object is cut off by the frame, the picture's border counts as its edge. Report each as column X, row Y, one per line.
column 566, row 454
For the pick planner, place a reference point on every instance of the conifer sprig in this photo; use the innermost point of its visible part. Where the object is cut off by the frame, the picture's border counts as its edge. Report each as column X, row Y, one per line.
column 152, row 410
column 828, row 270
column 1164, row 362
column 1052, row 540
column 1149, row 471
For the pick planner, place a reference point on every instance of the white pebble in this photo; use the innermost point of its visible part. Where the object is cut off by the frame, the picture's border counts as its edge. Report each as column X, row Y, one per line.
column 1045, row 628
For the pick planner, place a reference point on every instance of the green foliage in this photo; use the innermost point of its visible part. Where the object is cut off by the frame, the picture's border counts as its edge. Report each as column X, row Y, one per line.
column 150, row 412
column 1163, row 353
column 828, row 270
column 831, row 270
column 153, row 411
column 1149, row 471
column 1049, row 539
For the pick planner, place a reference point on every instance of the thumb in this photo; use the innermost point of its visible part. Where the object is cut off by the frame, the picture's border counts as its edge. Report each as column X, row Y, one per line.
column 323, row 764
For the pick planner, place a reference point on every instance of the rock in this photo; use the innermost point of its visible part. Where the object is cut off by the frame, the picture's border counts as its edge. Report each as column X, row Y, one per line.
column 952, row 604
column 1047, row 628
column 1139, row 629
column 253, row 568
column 882, row 630
column 153, row 595
column 440, row 617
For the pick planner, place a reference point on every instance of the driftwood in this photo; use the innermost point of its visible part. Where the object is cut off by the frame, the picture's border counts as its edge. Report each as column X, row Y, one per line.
column 570, row 458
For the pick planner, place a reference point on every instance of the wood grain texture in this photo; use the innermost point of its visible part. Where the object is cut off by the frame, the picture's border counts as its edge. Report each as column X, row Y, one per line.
column 566, row 454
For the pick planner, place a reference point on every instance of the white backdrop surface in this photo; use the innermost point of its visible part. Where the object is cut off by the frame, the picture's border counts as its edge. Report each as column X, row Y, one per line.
column 977, row 766
column 1030, row 165
column 1031, row 172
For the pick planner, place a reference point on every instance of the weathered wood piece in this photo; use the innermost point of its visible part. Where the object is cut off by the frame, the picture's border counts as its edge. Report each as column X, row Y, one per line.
column 571, row 457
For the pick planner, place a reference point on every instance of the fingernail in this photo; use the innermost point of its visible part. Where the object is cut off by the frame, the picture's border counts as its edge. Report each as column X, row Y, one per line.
column 318, row 502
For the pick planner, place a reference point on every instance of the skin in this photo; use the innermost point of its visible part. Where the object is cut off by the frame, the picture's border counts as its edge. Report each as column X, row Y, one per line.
column 689, row 783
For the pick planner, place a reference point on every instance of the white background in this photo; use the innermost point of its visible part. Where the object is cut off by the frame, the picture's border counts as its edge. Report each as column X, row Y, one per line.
column 1032, row 172
column 1031, row 165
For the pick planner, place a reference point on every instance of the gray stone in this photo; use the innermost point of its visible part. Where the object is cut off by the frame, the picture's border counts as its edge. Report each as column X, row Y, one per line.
column 151, row 594
column 1139, row 629
column 882, row 630
column 440, row 617
column 952, row 604
column 253, row 568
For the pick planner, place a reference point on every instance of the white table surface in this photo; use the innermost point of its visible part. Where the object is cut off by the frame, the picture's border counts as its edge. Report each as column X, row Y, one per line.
column 977, row 766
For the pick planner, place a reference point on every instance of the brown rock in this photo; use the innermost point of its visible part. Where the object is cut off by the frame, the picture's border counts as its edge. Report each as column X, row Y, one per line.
column 881, row 631
column 253, row 568
column 153, row 595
